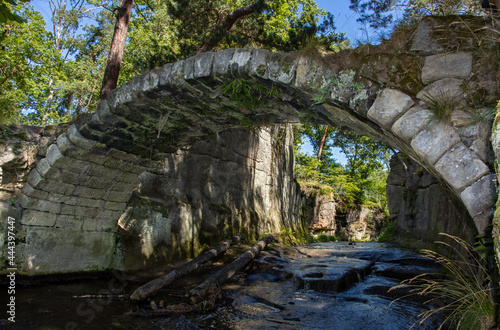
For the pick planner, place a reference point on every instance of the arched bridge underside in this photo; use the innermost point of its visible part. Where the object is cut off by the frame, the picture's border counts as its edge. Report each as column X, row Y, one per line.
column 90, row 171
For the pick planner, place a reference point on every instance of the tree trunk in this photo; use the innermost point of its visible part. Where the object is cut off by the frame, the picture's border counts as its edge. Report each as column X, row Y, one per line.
column 154, row 286
column 200, row 292
column 322, row 143
column 110, row 79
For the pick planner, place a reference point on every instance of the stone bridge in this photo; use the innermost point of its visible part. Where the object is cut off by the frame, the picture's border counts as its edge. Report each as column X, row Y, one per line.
column 389, row 92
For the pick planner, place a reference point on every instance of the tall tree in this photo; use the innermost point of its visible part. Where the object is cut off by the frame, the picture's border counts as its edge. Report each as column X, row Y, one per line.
column 110, row 79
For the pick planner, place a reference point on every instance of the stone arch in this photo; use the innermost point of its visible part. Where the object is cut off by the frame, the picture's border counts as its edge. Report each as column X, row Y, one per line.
column 89, row 172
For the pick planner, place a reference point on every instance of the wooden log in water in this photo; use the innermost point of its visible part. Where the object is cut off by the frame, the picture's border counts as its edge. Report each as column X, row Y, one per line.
column 150, row 288
column 210, row 285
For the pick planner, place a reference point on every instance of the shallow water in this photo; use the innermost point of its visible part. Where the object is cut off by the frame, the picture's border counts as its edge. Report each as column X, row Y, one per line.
column 261, row 299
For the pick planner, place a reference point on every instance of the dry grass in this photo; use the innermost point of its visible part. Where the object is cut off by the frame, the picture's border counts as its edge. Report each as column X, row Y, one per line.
column 465, row 288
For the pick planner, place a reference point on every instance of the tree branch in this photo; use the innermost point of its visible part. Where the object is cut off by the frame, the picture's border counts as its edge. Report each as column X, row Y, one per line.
column 226, row 25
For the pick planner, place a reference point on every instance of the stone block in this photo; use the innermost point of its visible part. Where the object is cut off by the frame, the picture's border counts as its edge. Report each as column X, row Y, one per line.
column 67, row 148
column 35, row 179
column 118, row 196
column 57, row 187
column 105, row 115
column 188, row 68
column 106, row 225
column 70, row 251
column 53, row 154
column 119, row 96
column 28, row 190
column 129, row 177
column 89, row 224
column 97, row 182
column 203, row 64
column 176, row 76
column 37, row 218
column 461, row 118
column 93, row 158
column 114, row 206
column 436, row 139
column 82, row 201
column 57, row 198
column 45, row 169
column 411, row 123
column 38, row 204
column 80, row 211
column 124, row 186
column 283, row 67
column 258, row 63
column 103, row 171
column 388, row 106
column 109, row 214
column 164, row 75
column 437, row 67
column 240, row 63
column 121, row 155
column 445, row 90
column 68, row 221
column 69, row 177
column 221, row 62
column 423, row 41
column 460, row 167
column 480, row 199
column 123, row 166
column 78, row 139
column 88, row 192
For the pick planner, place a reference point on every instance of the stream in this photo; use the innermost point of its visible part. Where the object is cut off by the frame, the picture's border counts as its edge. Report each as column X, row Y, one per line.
column 320, row 286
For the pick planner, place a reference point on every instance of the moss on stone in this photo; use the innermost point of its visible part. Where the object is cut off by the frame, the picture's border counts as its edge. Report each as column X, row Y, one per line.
column 261, row 69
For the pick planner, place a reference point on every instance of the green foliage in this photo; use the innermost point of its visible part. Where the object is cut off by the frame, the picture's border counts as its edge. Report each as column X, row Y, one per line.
column 465, row 287
column 7, row 14
column 249, row 94
column 322, row 238
column 387, row 232
column 360, row 181
column 485, row 116
column 166, row 31
column 289, row 237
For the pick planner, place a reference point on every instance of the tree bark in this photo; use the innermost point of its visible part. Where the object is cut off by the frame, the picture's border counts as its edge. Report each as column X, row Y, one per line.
column 150, row 288
column 322, row 143
column 200, row 292
column 110, row 79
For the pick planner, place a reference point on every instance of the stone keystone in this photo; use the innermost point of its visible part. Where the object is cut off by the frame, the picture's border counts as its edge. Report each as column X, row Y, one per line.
column 440, row 66
column 388, row 106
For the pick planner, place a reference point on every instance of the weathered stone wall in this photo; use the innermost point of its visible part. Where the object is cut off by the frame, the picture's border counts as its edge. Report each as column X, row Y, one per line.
column 328, row 216
column 421, row 207
column 240, row 182
column 20, row 147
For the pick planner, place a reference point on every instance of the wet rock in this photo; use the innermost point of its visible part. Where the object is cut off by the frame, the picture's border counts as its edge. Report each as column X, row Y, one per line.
column 329, row 275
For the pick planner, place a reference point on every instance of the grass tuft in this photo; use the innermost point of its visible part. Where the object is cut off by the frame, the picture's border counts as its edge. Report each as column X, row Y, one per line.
column 464, row 290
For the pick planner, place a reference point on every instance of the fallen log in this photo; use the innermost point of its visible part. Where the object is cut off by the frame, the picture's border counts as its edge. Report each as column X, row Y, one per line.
column 150, row 288
column 210, row 285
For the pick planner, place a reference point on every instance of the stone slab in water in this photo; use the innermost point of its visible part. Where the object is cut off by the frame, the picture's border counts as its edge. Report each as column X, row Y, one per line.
column 329, row 274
